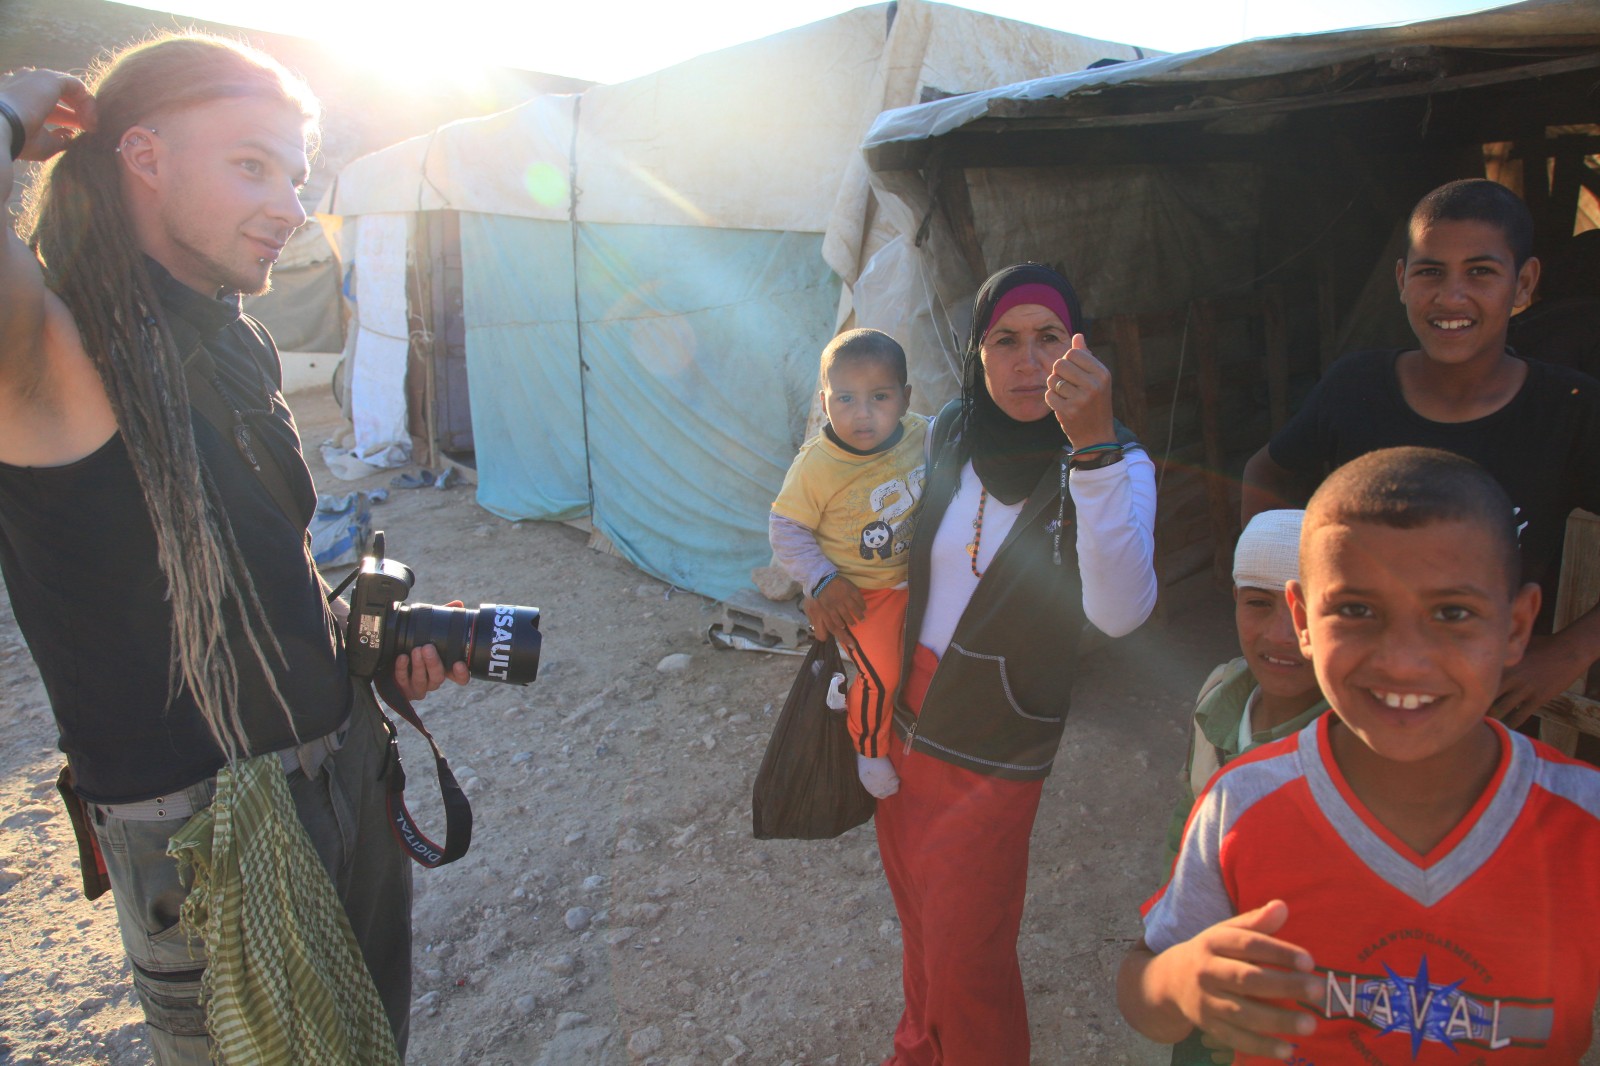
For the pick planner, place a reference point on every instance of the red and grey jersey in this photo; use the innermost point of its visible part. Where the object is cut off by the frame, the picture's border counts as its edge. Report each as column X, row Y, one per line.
column 1486, row 949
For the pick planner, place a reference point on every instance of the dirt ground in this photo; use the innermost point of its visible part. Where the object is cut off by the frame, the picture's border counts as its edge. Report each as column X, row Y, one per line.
column 614, row 907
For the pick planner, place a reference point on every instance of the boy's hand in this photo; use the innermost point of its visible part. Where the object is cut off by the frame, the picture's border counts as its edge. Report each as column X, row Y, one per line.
column 1221, row 980
column 834, row 610
column 1547, row 668
column 877, row 776
column 1221, row 1053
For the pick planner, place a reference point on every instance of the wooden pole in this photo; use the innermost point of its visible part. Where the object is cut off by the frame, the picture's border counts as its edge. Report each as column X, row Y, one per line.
column 956, row 199
column 1563, row 718
column 1327, row 316
column 1275, row 332
column 1203, row 336
column 1130, row 374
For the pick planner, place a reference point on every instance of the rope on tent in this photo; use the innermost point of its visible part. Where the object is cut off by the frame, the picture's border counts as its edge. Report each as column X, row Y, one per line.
column 1172, row 415
column 577, row 309
column 427, row 153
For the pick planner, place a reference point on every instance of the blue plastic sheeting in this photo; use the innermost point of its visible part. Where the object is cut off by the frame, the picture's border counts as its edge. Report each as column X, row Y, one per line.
column 701, row 348
column 340, row 528
column 701, row 351
column 522, row 366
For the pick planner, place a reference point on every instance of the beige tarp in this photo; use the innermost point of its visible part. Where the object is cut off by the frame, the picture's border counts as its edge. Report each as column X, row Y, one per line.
column 303, row 311
column 760, row 136
column 763, row 136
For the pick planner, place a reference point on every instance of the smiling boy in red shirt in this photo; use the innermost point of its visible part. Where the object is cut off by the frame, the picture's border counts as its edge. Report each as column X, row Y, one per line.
column 1405, row 880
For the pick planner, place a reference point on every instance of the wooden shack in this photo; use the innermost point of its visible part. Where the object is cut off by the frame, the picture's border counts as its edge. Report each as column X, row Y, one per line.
column 1232, row 217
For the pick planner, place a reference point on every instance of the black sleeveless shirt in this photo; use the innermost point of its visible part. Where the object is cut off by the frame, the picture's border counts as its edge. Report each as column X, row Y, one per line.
column 79, row 558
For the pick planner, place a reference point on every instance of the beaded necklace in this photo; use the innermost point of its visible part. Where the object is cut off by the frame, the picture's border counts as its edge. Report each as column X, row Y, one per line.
column 1054, row 527
column 977, row 532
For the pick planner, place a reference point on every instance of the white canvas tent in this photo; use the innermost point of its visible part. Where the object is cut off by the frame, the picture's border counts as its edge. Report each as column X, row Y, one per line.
column 650, row 269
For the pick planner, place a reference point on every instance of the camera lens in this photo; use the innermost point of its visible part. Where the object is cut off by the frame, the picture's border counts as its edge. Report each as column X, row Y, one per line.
column 498, row 642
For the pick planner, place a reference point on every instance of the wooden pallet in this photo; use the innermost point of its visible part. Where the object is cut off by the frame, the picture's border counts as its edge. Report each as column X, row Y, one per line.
column 1564, row 718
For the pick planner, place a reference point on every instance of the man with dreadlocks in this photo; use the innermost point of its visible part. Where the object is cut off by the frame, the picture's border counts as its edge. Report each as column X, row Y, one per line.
column 162, row 582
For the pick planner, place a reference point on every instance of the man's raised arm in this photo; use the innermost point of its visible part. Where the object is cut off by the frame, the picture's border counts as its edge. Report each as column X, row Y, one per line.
column 43, row 375
column 41, row 111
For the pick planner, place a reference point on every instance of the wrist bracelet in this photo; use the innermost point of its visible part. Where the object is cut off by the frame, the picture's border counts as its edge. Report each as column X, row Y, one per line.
column 1105, row 458
column 19, row 132
column 1089, row 449
column 816, row 589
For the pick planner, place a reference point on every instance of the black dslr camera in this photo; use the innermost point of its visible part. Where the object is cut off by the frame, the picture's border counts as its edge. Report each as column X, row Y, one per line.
column 498, row 642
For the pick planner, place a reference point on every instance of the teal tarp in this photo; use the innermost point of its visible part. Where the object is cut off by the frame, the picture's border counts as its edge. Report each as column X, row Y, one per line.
column 696, row 387
column 522, row 366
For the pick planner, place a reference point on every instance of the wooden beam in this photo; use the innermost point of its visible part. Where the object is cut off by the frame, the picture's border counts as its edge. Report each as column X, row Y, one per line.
column 1275, row 336
column 1535, row 175
column 1568, row 715
column 953, row 195
column 1561, row 212
column 1203, row 336
column 1565, row 718
column 1591, row 181
column 1327, row 316
column 1579, row 143
column 1130, row 380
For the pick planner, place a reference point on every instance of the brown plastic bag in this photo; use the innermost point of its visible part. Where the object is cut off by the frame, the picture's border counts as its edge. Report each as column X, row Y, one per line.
column 807, row 788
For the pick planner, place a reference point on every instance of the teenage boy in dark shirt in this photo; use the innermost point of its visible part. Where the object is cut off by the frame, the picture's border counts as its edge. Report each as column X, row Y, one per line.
column 1534, row 426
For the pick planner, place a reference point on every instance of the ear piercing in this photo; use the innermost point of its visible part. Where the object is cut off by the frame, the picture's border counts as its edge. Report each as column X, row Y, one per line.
column 118, row 148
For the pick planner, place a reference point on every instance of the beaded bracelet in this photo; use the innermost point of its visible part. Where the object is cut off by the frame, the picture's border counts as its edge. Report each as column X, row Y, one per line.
column 1090, row 449
column 816, row 590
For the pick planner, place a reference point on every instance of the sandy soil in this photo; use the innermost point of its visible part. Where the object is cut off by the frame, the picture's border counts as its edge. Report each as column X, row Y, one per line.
column 614, row 907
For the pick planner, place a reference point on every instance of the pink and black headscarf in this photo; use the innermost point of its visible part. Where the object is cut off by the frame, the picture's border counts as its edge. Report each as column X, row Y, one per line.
column 1010, row 456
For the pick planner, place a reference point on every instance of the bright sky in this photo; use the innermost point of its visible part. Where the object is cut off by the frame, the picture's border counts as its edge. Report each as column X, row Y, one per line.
column 613, row 40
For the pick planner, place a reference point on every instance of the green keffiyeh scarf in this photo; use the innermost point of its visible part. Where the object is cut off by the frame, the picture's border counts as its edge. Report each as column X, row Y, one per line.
column 284, row 980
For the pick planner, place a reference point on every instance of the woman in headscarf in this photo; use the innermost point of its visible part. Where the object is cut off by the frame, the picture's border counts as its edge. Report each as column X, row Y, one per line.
column 1038, row 517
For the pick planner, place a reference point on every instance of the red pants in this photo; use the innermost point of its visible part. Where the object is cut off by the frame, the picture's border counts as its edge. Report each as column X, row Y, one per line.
column 877, row 657
column 955, row 850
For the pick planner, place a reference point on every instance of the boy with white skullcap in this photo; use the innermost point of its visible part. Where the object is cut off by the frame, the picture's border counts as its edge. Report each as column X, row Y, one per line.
column 1267, row 693
column 1270, row 691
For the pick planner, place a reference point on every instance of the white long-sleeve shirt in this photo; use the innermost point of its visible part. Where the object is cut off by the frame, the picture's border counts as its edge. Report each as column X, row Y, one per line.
column 1115, row 519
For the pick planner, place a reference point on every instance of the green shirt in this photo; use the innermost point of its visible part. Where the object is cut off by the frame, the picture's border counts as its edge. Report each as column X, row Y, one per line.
column 1218, row 712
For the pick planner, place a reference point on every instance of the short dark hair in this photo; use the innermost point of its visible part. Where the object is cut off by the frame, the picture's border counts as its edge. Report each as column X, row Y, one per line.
column 1477, row 200
column 865, row 344
column 1407, row 488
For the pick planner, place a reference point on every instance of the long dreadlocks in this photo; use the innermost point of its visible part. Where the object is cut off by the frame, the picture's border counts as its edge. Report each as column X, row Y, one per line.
column 83, row 236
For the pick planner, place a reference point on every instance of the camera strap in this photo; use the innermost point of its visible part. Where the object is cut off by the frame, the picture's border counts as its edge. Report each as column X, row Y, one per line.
column 457, row 811
column 200, row 374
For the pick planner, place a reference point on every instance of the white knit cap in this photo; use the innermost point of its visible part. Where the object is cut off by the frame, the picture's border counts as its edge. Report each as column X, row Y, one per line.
column 1268, row 553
